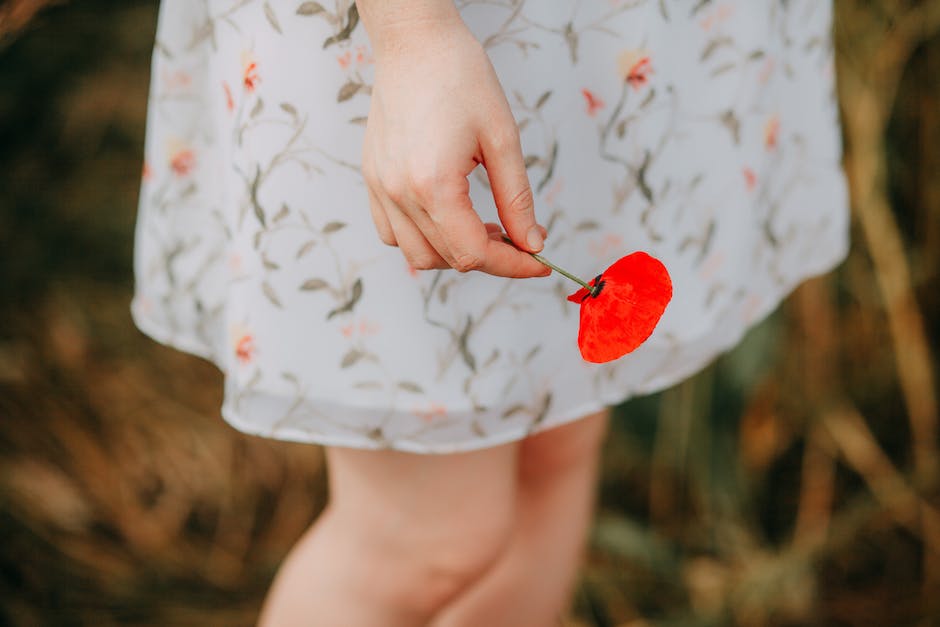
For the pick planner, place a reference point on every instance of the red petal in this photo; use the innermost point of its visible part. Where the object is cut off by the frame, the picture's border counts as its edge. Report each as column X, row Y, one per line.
column 578, row 296
column 635, row 293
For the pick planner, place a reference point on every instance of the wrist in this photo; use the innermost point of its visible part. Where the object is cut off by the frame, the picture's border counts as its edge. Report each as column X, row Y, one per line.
column 396, row 24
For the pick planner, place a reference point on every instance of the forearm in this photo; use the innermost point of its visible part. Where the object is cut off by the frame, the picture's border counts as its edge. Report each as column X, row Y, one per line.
column 391, row 24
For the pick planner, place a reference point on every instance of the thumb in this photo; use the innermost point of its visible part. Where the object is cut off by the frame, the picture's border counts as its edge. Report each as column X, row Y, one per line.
column 502, row 158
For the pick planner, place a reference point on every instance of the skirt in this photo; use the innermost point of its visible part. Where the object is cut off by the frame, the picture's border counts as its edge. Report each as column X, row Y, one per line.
column 705, row 133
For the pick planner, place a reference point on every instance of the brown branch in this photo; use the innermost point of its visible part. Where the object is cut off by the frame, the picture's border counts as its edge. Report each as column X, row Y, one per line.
column 861, row 451
column 868, row 98
column 912, row 28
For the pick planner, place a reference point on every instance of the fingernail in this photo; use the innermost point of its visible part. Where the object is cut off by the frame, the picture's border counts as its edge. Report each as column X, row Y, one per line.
column 534, row 238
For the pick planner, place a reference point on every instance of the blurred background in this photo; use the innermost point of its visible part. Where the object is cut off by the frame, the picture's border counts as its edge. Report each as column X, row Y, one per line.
column 793, row 482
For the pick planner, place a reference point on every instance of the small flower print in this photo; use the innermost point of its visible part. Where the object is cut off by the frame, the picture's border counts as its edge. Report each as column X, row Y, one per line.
column 750, row 178
column 182, row 160
column 766, row 71
column 362, row 328
column 772, row 131
column 718, row 15
column 250, row 77
column 711, row 265
column 635, row 67
column 363, row 57
column 229, row 100
column 178, row 80
column 432, row 412
column 750, row 308
column 242, row 343
column 604, row 247
column 594, row 104
column 146, row 172
column 554, row 190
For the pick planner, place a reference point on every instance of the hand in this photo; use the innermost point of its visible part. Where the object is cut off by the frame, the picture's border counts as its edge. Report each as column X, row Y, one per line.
column 437, row 112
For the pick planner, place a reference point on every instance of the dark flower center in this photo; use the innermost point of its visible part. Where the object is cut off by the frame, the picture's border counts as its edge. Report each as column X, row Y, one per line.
column 596, row 287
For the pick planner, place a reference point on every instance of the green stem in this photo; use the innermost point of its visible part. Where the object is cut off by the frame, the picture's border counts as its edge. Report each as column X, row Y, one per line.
column 545, row 262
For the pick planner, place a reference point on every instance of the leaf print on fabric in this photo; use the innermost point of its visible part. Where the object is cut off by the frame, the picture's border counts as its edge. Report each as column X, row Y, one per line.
column 549, row 168
column 354, row 296
column 310, row 8
column 271, row 295
column 352, row 19
column 272, row 18
column 305, row 248
column 348, row 90
column 543, row 99
column 281, row 214
column 410, row 386
column 739, row 209
column 255, row 205
column 311, row 285
column 350, row 358
column 462, row 340
column 730, row 121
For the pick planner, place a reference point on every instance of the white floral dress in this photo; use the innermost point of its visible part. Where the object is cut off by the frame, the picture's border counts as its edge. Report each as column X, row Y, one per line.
column 703, row 132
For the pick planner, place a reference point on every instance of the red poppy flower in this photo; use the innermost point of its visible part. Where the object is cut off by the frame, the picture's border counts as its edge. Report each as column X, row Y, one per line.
column 622, row 307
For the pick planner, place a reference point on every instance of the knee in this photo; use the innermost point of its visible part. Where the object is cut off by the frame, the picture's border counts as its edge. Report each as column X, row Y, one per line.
column 420, row 565
column 453, row 561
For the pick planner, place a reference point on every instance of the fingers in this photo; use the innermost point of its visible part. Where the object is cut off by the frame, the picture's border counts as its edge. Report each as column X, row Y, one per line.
column 469, row 242
column 380, row 219
column 425, row 210
column 460, row 228
column 505, row 260
column 495, row 229
column 414, row 245
column 505, row 167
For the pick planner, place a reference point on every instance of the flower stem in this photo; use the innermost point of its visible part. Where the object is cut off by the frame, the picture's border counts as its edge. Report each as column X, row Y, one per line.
column 545, row 262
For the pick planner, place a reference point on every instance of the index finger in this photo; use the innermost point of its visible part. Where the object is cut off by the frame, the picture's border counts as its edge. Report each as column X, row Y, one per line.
column 506, row 260
column 509, row 182
column 469, row 240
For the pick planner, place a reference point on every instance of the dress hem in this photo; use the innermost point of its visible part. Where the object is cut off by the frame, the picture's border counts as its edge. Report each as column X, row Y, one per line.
column 233, row 417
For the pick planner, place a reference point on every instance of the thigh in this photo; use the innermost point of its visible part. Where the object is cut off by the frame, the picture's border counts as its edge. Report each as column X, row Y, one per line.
column 426, row 500
column 561, row 449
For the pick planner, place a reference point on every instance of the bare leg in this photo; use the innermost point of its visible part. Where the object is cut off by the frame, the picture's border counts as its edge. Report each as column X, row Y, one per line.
column 402, row 536
column 531, row 585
